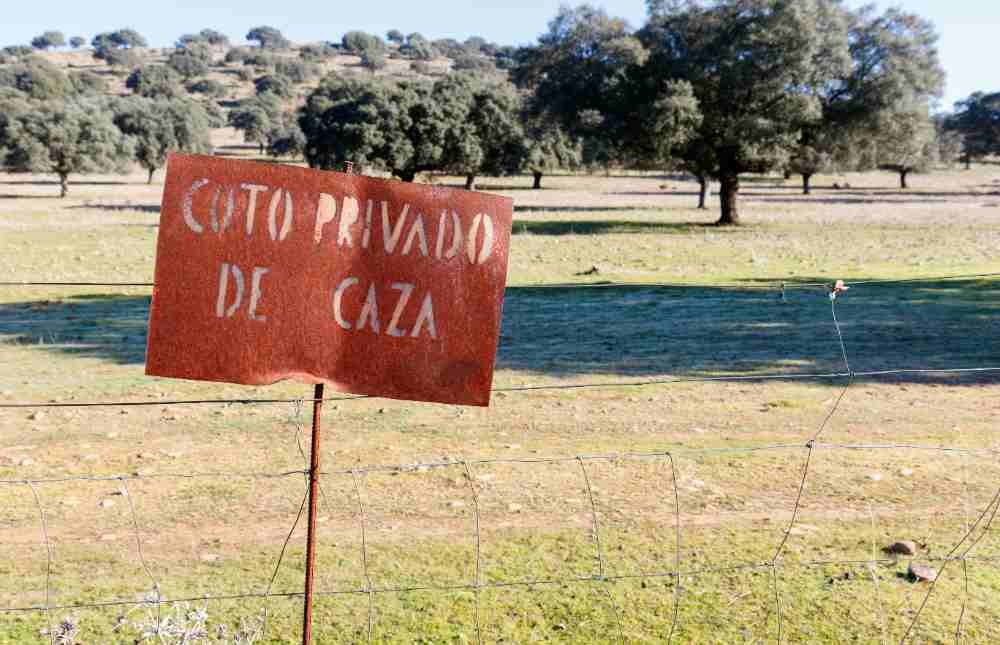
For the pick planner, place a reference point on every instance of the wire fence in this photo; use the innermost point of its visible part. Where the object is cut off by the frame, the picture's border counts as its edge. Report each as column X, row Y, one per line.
column 602, row 576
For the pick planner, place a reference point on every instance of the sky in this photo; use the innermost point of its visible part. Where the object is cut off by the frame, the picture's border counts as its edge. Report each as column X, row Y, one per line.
column 968, row 28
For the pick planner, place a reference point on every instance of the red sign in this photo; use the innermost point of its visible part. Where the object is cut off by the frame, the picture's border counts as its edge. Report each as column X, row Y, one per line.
column 269, row 272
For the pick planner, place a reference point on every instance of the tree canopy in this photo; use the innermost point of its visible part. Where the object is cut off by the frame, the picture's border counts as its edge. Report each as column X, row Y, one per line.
column 48, row 39
column 268, row 38
column 65, row 138
column 161, row 126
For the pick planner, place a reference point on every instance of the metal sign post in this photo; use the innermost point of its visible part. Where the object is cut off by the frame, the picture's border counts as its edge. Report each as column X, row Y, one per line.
column 311, row 535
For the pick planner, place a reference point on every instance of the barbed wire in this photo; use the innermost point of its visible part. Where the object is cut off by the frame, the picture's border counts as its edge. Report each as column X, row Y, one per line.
column 600, row 577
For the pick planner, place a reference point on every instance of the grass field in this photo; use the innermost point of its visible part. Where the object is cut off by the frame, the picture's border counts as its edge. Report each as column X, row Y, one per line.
column 738, row 449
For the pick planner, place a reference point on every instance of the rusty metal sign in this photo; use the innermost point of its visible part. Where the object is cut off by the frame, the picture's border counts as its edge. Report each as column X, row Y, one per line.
column 267, row 272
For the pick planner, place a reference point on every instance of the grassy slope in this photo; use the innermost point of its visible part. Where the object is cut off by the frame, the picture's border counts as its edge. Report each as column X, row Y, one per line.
column 221, row 536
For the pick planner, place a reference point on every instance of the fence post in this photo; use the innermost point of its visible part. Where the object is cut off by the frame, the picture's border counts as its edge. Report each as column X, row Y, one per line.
column 311, row 536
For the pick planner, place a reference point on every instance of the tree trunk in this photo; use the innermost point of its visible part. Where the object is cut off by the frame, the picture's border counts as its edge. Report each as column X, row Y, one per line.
column 470, row 182
column 902, row 179
column 806, row 188
column 968, row 162
column 728, row 195
column 63, row 185
column 261, row 148
column 151, row 171
column 788, row 174
column 538, row 180
column 702, row 192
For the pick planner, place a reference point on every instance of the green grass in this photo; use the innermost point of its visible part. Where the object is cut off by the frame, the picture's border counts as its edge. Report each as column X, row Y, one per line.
column 221, row 536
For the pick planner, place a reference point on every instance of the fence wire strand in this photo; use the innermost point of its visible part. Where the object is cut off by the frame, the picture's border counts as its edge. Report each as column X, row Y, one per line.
column 603, row 580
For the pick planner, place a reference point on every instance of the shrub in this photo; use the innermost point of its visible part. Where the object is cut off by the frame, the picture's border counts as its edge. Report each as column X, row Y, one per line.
column 208, row 87
column 357, row 42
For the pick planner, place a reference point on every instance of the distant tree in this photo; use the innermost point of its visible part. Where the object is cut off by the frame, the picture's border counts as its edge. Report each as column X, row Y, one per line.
column 977, row 121
column 284, row 137
column 188, row 62
column 268, row 38
column 548, row 148
column 373, row 60
column 358, row 42
column 579, row 74
column 128, row 38
column 237, row 55
column 395, row 36
column 473, row 63
column 485, row 135
column 66, row 138
column 114, row 47
column 418, row 48
column 260, row 60
column 276, row 85
column 449, row 47
column 123, row 59
column 422, row 67
column 405, row 128
column 950, row 144
column 76, row 42
column 756, row 69
column 905, row 141
column 85, row 82
column 316, row 53
column 18, row 51
column 155, row 81
column 373, row 124
column 295, row 71
column 208, row 37
column 476, row 44
column 208, row 87
column 255, row 118
column 37, row 79
column 159, row 126
column 48, row 39
column 892, row 56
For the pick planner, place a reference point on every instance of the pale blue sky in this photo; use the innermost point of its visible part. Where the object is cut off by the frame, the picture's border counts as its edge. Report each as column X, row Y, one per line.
column 969, row 28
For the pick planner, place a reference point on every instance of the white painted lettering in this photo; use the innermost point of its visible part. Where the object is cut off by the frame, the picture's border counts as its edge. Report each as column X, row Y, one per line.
column 188, row 204
column 230, row 209
column 390, row 240
column 220, row 305
column 457, row 239
column 417, row 230
column 348, row 217
column 366, row 237
column 253, row 189
column 370, row 312
column 272, row 215
column 256, row 293
column 404, row 289
column 338, row 296
column 325, row 212
column 426, row 317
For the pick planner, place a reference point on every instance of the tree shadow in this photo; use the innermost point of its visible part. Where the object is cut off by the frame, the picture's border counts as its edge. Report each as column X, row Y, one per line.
column 605, row 227
column 138, row 208
column 72, row 182
column 12, row 196
column 646, row 331
column 585, row 209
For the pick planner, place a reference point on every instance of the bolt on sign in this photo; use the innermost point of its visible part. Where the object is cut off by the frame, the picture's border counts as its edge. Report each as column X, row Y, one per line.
column 267, row 272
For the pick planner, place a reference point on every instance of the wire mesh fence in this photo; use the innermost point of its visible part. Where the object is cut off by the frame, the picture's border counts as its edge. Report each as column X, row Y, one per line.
column 630, row 546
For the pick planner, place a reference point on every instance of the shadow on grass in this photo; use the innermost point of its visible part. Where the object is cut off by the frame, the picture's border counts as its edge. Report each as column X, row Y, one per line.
column 603, row 227
column 137, row 208
column 586, row 209
column 643, row 331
